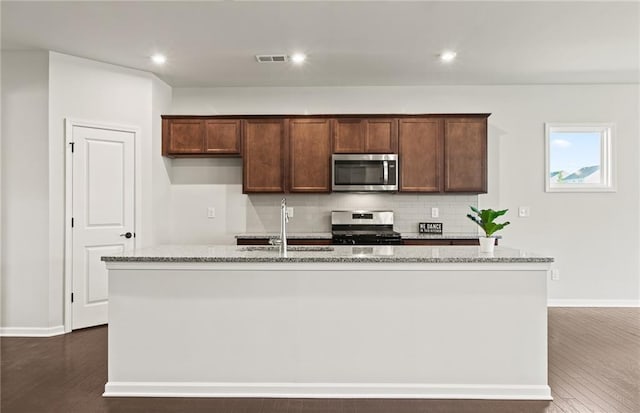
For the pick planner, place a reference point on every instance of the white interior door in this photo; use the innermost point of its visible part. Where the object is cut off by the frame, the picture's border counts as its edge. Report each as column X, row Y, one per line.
column 103, row 215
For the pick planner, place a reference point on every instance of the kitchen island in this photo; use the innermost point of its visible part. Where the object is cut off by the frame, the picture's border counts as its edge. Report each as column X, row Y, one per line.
column 328, row 321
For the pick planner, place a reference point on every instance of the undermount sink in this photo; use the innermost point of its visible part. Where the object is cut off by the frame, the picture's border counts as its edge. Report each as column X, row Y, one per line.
column 289, row 248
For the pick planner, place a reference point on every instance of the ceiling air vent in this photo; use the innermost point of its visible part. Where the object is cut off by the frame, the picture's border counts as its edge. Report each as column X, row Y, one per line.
column 272, row 58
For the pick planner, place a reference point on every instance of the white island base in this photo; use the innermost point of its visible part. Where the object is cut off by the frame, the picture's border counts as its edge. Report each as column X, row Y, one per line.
column 352, row 330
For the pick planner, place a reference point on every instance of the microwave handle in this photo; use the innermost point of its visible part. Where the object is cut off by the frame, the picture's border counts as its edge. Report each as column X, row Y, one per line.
column 385, row 172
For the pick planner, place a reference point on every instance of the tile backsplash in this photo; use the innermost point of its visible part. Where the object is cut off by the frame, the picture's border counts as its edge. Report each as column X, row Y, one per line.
column 312, row 211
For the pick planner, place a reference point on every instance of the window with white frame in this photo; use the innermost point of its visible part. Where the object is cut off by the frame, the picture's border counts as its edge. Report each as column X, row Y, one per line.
column 579, row 157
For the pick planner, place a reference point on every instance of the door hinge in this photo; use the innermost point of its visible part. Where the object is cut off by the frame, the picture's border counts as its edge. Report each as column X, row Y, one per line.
column 71, row 297
column 73, row 144
column 72, row 222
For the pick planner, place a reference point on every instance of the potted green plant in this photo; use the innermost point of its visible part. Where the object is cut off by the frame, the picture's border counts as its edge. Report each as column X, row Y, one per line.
column 485, row 219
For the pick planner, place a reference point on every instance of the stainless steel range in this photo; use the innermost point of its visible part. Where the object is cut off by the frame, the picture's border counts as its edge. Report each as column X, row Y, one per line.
column 364, row 228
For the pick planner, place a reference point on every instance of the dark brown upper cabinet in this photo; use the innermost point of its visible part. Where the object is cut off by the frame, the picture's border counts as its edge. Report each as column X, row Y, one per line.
column 420, row 152
column 310, row 155
column 373, row 135
column 292, row 153
column 465, row 154
column 223, row 136
column 193, row 137
column 182, row 136
column 265, row 156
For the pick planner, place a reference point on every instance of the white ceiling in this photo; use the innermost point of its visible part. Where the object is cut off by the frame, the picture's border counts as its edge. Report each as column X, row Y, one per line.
column 348, row 43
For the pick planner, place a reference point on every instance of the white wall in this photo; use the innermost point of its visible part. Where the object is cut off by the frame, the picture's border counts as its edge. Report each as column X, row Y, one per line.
column 25, row 190
column 563, row 225
column 87, row 90
column 40, row 90
column 161, row 168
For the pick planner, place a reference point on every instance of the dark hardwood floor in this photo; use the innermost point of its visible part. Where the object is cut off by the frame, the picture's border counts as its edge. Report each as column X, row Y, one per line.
column 594, row 366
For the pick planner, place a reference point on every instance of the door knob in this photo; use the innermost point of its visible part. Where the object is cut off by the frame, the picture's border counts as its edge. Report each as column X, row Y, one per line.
column 127, row 235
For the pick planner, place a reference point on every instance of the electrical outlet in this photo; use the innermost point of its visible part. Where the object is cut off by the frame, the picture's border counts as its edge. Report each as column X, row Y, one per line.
column 435, row 212
column 524, row 211
column 211, row 212
column 555, row 274
column 290, row 212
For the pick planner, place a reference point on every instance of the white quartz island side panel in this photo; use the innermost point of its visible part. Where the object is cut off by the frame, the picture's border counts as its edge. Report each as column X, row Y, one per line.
column 277, row 328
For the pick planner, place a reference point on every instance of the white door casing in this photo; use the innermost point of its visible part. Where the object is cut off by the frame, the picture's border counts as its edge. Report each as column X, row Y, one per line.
column 102, row 211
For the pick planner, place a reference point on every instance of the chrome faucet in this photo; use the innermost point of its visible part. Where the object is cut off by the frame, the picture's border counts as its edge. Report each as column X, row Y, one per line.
column 281, row 240
column 284, row 218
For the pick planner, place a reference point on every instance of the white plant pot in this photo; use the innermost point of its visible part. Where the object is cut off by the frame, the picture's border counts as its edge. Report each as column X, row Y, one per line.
column 487, row 244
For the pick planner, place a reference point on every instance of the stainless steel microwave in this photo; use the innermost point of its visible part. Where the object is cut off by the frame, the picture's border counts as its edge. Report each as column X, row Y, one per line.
column 365, row 172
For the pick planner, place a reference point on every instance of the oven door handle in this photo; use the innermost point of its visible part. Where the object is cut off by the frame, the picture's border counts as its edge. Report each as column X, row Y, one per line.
column 385, row 165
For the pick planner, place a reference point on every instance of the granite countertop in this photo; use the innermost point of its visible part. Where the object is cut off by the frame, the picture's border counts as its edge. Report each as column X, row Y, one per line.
column 327, row 235
column 447, row 235
column 335, row 253
column 290, row 235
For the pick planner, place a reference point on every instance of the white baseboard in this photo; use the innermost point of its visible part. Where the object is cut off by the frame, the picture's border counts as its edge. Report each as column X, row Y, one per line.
column 31, row 331
column 328, row 390
column 593, row 303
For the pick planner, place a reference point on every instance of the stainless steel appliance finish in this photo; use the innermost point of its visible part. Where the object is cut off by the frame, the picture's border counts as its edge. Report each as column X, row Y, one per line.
column 362, row 218
column 364, row 172
column 364, row 228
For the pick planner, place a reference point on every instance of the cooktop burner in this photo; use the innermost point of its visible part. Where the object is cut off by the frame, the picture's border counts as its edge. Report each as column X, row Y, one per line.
column 364, row 228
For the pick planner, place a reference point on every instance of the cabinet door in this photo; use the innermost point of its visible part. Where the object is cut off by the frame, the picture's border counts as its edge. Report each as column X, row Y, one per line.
column 290, row 241
column 252, row 241
column 381, row 136
column 420, row 147
column 185, row 136
column 428, row 242
column 348, row 136
column 434, row 242
column 465, row 155
column 264, row 156
column 474, row 241
column 309, row 155
column 307, row 241
column 222, row 137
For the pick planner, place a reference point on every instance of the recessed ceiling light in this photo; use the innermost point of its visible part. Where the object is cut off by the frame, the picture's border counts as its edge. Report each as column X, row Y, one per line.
column 298, row 58
column 158, row 59
column 448, row 56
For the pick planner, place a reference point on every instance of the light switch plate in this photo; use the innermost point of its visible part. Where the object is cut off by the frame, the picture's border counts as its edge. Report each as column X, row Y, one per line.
column 435, row 212
column 211, row 212
column 290, row 212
